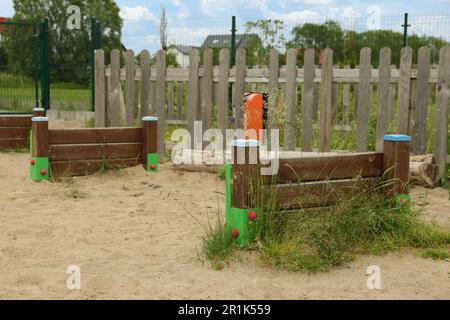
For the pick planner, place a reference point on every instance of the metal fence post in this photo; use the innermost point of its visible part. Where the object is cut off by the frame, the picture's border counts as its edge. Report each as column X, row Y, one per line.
column 45, row 74
column 95, row 44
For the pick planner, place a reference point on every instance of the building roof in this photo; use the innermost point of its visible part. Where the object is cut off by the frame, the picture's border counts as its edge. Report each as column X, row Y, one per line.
column 184, row 49
column 2, row 19
column 223, row 40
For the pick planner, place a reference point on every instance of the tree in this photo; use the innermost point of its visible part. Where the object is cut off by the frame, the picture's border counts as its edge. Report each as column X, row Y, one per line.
column 163, row 29
column 69, row 49
column 270, row 31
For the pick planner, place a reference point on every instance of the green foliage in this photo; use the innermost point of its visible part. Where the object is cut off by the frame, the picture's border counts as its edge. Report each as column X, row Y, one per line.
column 436, row 254
column 69, row 49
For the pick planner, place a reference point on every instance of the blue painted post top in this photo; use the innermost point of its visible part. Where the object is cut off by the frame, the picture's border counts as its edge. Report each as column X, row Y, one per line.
column 397, row 137
column 150, row 119
column 242, row 143
column 39, row 119
column 38, row 109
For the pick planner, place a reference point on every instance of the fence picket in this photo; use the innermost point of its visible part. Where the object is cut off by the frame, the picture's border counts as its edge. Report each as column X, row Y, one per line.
column 362, row 119
column 404, row 90
column 325, row 101
column 383, row 97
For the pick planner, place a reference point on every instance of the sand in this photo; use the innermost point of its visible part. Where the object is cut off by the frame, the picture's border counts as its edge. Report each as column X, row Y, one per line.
column 135, row 235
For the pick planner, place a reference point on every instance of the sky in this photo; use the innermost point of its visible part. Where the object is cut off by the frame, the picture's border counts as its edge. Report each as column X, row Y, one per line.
column 191, row 21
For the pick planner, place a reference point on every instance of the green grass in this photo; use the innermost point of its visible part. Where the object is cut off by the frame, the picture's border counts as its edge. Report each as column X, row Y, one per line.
column 436, row 254
column 360, row 223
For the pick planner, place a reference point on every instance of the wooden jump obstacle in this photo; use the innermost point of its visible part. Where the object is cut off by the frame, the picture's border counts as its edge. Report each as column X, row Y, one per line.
column 75, row 152
column 307, row 182
column 15, row 129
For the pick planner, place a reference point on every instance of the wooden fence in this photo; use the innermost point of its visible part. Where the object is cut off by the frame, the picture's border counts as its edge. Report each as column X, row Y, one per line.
column 327, row 95
column 15, row 129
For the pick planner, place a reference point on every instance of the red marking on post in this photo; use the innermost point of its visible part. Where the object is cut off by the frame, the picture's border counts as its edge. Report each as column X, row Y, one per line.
column 43, row 172
column 32, row 162
column 152, row 166
column 235, row 233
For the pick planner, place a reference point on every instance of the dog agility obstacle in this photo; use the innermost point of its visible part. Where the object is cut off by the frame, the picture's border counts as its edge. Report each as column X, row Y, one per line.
column 15, row 129
column 307, row 182
column 75, row 152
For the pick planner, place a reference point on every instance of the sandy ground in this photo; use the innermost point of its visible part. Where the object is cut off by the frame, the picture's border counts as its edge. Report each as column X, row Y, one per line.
column 135, row 235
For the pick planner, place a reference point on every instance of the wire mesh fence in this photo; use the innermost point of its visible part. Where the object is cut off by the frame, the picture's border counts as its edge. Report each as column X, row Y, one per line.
column 346, row 35
column 19, row 67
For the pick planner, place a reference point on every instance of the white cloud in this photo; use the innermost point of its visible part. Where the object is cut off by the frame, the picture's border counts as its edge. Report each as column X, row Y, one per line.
column 350, row 16
column 138, row 13
column 296, row 17
column 314, row 3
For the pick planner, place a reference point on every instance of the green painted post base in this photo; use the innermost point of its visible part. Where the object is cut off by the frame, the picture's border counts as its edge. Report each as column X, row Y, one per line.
column 240, row 221
column 38, row 168
column 152, row 162
column 403, row 202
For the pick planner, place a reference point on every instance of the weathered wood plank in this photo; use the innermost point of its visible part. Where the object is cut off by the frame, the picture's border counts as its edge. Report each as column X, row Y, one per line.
column 15, row 121
column 207, row 88
column 291, row 100
column 274, row 67
column 346, row 101
column 308, row 100
column 383, row 97
column 58, row 152
column 160, row 101
column 145, row 83
column 87, row 167
column 224, row 69
column 14, row 133
column 364, row 101
column 239, row 89
column 325, row 101
column 442, row 99
column 104, row 135
column 13, row 143
column 99, row 84
column 404, row 90
column 170, row 98
column 115, row 88
column 422, row 100
column 192, row 92
column 129, row 88
column 179, row 100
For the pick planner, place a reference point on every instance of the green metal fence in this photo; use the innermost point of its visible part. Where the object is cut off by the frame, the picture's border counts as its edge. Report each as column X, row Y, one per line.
column 19, row 66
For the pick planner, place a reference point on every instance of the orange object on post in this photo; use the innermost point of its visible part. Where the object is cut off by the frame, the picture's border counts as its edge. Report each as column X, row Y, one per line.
column 255, row 115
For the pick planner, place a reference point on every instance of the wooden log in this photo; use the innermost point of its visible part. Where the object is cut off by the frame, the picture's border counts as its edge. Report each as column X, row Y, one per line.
column 239, row 89
column 308, row 100
column 14, row 133
column 129, row 88
column 422, row 100
column 384, row 80
column 99, row 83
column 325, row 108
column 160, row 101
column 291, row 100
column 145, row 83
column 396, row 164
column 87, row 167
column 115, row 88
column 404, row 90
column 364, row 101
column 39, row 129
column 15, row 121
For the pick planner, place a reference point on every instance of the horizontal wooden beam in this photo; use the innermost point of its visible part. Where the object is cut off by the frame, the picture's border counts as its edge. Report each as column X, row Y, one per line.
column 101, row 135
column 15, row 121
column 319, row 194
column 14, row 132
column 86, row 167
column 13, row 143
column 330, row 167
column 58, row 152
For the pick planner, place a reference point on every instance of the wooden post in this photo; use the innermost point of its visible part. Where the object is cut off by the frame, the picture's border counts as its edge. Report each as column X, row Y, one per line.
column 170, row 99
column 39, row 164
column 129, row 88
column 100, row 101
column 274, row 69
column 396, row 163
column 422, row 100
column 115, row 88
column 38, row 112
column 325, row 103
column 308, row 100
column 442, row 99
column 245, row 184
column 384, row 81
column 150, row 156
column 239, row 89
column 291, row 100
column 207, row 88
column 145, row 83
column 346, row 101
column 160, row 101
column 192, row 93
column 404, row 90
column 362, row 121
column 224, row 71
column 179, row 100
